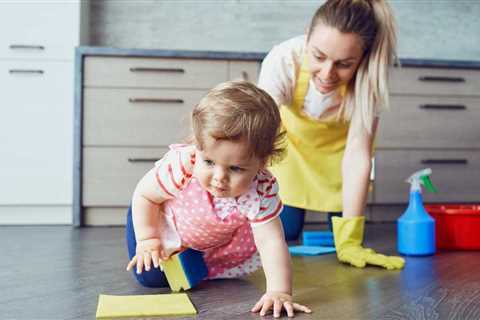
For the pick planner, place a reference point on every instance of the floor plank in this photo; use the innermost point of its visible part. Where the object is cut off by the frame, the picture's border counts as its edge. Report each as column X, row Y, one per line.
column 58, row 273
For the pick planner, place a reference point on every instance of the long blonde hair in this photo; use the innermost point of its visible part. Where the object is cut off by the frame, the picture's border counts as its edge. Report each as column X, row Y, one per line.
column 374, row 23
column 239, row 110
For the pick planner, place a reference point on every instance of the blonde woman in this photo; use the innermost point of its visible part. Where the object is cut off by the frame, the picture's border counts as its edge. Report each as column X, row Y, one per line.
column 331, row 85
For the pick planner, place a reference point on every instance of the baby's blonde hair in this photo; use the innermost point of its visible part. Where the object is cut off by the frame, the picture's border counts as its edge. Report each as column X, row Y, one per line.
column 239, row 110
column 374, row 23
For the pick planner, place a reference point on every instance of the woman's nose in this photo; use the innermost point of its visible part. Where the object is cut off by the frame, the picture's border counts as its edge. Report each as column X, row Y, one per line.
column 328, row 70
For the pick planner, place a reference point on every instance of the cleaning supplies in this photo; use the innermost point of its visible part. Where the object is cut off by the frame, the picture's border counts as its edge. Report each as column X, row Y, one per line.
column 416, row 228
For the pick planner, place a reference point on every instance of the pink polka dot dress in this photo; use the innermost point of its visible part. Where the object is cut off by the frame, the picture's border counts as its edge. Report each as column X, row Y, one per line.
column 219, row 227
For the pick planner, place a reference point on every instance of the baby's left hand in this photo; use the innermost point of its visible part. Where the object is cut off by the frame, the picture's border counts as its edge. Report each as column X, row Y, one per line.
column 278, row 301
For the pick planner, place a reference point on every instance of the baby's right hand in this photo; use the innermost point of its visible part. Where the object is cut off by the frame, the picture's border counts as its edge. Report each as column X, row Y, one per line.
column 147, row 251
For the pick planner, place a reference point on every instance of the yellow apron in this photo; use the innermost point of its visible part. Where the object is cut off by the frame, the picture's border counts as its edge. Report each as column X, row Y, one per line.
column 310, row 174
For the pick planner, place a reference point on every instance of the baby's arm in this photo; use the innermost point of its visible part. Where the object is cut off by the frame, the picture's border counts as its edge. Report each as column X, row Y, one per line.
column 276, row 262
column 146, row 211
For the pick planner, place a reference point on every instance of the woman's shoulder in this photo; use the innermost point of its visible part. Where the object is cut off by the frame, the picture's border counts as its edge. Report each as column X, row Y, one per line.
column 280, row 69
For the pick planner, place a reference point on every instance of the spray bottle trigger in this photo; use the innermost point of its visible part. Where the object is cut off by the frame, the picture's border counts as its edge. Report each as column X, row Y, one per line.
column 428, row 184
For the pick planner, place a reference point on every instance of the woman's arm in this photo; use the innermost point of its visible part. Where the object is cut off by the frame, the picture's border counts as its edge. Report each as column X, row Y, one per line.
column 356, row 167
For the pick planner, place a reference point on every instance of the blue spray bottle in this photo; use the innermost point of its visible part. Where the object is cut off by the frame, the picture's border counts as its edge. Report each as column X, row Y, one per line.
column 416, row 228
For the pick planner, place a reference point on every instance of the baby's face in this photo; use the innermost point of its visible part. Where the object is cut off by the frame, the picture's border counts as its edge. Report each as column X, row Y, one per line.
column 224, row 167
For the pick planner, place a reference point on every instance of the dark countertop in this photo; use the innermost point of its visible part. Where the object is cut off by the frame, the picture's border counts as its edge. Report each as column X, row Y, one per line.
column 253, row 56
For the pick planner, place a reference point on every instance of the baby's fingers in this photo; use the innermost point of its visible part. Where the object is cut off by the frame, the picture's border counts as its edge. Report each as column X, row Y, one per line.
column 277, row 308
column 257, row 306
column 289, row 308
column 155, row 259
column 267, row 305
column 132, row 263
column 299, row 307
column 147, row 260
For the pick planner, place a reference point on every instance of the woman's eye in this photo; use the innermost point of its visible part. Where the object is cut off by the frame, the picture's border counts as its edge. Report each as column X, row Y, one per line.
column 209, row 163
column 236, row 169
column 319, row 58
column 344, row 65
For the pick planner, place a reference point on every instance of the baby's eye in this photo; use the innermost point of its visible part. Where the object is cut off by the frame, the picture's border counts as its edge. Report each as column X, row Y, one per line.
column 209, row 163
column 236, row 169
column 319, row 58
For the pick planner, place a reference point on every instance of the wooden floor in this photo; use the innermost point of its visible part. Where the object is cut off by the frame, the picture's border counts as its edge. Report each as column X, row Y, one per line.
column 58, row 273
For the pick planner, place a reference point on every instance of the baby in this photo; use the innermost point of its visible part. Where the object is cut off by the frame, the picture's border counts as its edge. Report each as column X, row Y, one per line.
column 216, row 196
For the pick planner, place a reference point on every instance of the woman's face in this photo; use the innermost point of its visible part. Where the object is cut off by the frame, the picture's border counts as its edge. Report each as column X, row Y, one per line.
column 333, row 57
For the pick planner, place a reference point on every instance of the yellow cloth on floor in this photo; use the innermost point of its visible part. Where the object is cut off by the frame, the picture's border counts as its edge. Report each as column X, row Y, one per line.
column 144, row 306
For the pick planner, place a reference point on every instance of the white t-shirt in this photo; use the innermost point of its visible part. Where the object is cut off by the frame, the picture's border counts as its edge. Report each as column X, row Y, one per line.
column 279, row 74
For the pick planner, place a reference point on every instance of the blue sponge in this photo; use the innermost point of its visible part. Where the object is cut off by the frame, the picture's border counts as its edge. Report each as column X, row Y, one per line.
column 185, row 270
column 318, row 238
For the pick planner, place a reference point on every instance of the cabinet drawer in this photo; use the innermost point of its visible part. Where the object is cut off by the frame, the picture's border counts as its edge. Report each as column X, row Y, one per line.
column 430, row 122
column 39, row 29
column 434, row 81
column 154, row 72
column 456, row 174
column 244, row 70
column 137, row 117
column 110, row 175
column 36, row 133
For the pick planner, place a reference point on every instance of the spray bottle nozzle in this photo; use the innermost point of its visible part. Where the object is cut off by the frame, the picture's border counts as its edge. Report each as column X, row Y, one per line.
column 419, row 178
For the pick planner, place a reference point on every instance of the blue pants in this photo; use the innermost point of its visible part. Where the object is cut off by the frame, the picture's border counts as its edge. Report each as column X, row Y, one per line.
column 293, row 220
column 153, row 278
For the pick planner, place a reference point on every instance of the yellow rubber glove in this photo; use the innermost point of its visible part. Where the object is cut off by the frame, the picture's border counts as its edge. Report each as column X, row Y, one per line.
column 348, row 236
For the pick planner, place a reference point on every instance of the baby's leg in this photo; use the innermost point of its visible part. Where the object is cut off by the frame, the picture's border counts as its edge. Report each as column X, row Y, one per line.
column 153, row 278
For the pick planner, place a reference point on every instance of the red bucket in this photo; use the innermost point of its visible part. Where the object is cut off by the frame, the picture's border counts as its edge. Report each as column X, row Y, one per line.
column 456, row 226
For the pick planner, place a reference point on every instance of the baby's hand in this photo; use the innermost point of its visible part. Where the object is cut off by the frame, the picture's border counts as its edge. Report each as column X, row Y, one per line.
column 278, row 301
column 147, row 251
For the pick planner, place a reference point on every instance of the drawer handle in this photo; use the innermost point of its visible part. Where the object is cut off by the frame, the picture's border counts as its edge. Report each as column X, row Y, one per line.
column 443, row 106
column 444, row 161
column 154, row 100
column 134, row 160
column 25, row 71
column 244, row 76
column 441, row 79
column 26, row 46
column 167, row 70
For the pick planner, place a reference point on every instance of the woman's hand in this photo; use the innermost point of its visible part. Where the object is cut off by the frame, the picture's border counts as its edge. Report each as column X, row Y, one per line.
column 278, row 301
column 148, row 251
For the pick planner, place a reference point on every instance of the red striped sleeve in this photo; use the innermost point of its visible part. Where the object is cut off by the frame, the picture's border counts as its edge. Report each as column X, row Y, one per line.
column 162, row 185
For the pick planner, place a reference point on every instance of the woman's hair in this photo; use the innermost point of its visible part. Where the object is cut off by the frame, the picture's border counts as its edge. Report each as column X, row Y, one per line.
column 373, row 22
column 238, row 110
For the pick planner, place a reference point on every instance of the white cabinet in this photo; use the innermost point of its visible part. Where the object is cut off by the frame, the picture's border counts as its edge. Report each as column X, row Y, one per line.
column 36, row 124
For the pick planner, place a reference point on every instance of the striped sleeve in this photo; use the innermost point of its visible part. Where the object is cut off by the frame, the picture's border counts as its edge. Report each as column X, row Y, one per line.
column 174, row 170
column 270, row 204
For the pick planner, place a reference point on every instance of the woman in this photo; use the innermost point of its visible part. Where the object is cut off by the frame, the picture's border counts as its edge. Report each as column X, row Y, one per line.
column 331, row 85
